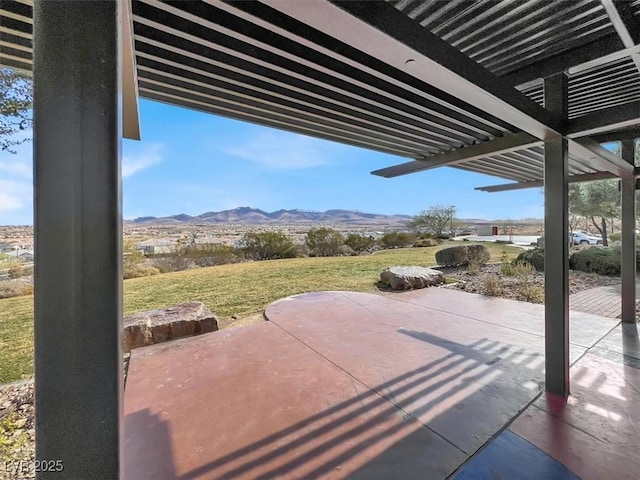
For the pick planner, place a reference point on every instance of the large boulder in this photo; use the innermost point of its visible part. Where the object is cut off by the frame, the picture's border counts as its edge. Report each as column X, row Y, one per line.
column 463, row 255
column 155, row 326
column 409, row 278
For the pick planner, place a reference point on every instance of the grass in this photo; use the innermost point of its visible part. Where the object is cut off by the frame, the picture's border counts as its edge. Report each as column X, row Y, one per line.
column 235, row 289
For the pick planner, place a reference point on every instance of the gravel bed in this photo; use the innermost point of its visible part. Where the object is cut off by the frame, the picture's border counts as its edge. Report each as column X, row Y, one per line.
column 17, row 432
column 475, row 282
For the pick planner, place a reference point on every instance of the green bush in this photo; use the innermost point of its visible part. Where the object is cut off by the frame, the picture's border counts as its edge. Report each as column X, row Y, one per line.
column 603, row 261
column 397, row 239
column 443, row 236
column 535, row 257
column 506, row 266
column 324, row 241
column 359, row 242
column 213, row 254
column 463, row 255
column 267, row 246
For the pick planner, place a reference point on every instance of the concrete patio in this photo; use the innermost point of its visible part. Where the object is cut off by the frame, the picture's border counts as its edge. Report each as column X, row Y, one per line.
column 428, row 384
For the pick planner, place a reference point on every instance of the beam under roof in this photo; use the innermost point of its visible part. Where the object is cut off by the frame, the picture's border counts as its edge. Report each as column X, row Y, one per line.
column 379, row 30
column 505, row 187
column 506, row 144
column 621, row 116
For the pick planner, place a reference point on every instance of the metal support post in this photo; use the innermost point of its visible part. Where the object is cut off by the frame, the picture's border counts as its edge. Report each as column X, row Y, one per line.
column 556, row 255
column 628, row 260
column 78, row 246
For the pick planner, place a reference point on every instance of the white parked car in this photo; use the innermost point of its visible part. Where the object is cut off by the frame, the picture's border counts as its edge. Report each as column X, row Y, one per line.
column 579, row 237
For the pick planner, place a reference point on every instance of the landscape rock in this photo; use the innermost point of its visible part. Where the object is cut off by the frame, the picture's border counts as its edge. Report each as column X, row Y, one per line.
column 156, row 326
column 408, row 278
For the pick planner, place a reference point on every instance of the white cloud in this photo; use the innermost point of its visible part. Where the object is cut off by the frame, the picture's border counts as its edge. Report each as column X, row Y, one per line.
column 280, row 151
column 17, row 168
column 20, row 163
column 134, row 163
column 15, row 195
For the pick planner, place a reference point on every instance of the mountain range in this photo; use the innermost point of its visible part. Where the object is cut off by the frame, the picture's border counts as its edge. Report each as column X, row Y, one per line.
column 248, row 215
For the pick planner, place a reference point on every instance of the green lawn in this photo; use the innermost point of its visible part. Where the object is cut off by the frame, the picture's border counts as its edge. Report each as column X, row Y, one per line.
column 235, row 289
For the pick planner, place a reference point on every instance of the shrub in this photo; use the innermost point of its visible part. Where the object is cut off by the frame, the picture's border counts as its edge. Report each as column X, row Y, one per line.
column 323, row 241
column 534, row 256
column 506, row 268
column 10, row 289
column 463, row 255
column 172, row 263
column 443, row 236
column 139, row 270
column 532, row 293
column 523, row 271
column 267, row 246
column 359, row 242
column 346, row 250
column 16, row 271
column 397, row 239
column 603, row 261
column 492, row 285
column 213, row 254
column 426, row 242
column 301, row 251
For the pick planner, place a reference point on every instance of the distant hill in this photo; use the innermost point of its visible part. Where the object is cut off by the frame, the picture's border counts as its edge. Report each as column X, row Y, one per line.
column 248, row 215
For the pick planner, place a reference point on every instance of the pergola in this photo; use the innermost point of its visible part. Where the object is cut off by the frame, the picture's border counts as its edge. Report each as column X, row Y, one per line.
column 525, row 91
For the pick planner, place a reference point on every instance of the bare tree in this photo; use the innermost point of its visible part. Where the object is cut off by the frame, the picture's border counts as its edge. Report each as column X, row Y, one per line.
column 435, row 220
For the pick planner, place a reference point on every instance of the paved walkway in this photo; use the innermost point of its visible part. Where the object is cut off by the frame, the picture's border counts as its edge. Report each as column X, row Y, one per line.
column 603, row 301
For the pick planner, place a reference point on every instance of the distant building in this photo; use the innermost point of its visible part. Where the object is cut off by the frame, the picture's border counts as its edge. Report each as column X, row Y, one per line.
column 487, row 230
column 202, row 241
column 10, row 247
column 155, row 246
column 25, row 255
column 19, row 254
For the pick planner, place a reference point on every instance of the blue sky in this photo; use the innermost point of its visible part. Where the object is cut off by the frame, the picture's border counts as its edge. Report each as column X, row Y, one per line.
column 192, row 162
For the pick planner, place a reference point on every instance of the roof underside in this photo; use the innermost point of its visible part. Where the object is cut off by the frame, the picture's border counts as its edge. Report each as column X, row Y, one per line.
column 256, row 61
